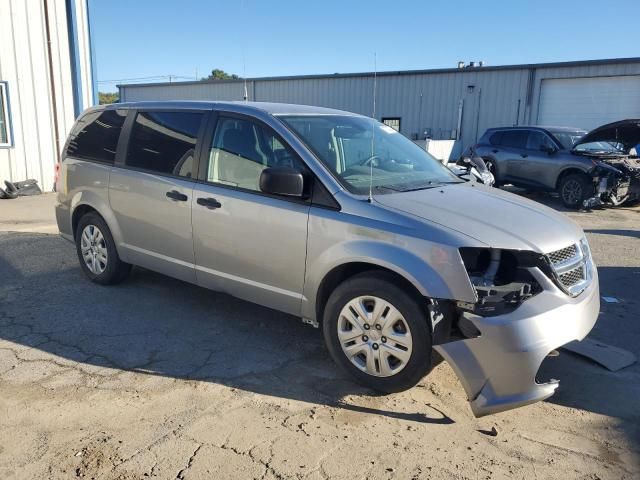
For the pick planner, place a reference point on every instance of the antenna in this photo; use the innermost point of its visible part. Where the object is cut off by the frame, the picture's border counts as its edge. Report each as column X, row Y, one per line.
column 244, row 59
column 373, row 126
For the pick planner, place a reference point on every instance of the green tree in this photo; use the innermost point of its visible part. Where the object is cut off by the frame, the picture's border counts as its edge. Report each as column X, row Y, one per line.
column 217, row 74
column 107, row 97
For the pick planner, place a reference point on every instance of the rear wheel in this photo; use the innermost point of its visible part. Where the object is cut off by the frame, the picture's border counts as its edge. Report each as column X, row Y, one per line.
column 378, row 333
column 97, row 252
column 574, row 189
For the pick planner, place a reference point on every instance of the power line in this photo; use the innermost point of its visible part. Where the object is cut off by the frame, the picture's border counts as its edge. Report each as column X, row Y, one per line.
column 143, row 79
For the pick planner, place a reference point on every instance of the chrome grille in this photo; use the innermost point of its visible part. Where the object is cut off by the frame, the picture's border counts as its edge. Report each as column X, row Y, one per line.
column 563, row 254
column 572, row 277
column 572, row 267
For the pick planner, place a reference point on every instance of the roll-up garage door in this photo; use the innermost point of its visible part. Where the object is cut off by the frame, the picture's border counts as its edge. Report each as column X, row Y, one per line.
column 588, row 102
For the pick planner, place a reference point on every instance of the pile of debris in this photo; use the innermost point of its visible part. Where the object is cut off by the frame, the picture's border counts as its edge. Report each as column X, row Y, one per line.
column 20, row 189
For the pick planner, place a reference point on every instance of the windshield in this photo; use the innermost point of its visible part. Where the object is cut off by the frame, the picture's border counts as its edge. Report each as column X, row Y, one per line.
column 568, row 139
column 358, row 150
column 600, row 147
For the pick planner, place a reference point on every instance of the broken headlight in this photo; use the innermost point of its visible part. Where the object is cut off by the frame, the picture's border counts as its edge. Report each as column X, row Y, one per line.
column 501, row 279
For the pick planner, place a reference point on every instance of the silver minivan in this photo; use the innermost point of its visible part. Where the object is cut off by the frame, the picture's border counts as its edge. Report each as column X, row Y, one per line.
column 341, row 221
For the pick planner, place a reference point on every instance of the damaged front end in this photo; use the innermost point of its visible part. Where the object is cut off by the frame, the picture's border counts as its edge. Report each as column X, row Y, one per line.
column 616, row 180
column 528, row 304
column 613, row 149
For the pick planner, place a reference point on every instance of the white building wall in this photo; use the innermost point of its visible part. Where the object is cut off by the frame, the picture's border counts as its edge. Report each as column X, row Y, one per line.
column 24, row 65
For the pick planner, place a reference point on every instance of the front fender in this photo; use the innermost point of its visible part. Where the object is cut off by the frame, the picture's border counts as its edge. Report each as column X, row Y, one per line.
column 438, row 273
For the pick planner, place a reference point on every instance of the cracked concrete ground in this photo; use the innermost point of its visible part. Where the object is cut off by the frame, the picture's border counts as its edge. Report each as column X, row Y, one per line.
column 156, row 378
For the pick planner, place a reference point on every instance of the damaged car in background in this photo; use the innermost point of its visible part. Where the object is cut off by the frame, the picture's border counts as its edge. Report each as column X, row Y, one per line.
column 615, row 175
column 600, row 167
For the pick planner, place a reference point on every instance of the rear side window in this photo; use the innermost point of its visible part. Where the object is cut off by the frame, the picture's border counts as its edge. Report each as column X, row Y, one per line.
column 95, row 135
column 496, row 138
column 164, row 142
column 515, row 138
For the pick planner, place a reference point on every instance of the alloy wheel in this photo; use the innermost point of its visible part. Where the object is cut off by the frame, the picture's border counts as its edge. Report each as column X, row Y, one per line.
column 572, row 192
column 94, row 249
column 374, row 336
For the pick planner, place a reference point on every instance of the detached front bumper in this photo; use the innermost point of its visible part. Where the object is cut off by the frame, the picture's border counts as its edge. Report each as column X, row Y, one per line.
column 498, row 368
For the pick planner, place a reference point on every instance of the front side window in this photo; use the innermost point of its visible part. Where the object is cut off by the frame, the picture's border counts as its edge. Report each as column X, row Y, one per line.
column 360, row 151
column 5, row 127
column 537, row 140
column 164, row 142
column 241, row 149
column 95, row 135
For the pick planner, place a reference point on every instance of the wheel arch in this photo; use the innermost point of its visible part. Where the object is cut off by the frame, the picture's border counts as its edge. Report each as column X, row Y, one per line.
column 345, row 271
column 86, row 202
column 569, row 171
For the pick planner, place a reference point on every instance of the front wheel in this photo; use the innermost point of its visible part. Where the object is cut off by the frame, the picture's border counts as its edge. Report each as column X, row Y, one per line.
column 574, row 189
column 378, row 333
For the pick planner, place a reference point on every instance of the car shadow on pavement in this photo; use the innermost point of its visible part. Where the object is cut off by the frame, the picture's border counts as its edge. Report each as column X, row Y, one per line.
column 157, row 325
column 620, row 233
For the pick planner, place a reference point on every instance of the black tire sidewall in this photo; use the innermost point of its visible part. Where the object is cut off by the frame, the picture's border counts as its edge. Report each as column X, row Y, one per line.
column 416, row 315
column 116, row 269
column 584, row 183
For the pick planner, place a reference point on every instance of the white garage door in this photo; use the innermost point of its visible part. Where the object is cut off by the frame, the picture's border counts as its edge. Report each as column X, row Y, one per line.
column 588, row 102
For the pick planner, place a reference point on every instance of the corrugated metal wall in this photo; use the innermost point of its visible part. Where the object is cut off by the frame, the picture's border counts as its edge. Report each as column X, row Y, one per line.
column 429, row 101
column 24, row 65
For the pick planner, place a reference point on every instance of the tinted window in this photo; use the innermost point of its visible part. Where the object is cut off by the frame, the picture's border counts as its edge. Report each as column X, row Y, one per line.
column 496, row 138
column 514, row 138
column 241, row 149
column 537, row 139
column 95, row 135
column 164, row 142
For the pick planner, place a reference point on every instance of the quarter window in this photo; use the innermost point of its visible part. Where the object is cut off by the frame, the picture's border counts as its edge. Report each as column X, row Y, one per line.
column 164, row 142
column 95, row 135
column 241, row 149
column 5, row 127
column 514, row 138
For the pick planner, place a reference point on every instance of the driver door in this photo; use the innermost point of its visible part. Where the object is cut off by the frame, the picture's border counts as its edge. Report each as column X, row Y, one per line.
column 247, row 243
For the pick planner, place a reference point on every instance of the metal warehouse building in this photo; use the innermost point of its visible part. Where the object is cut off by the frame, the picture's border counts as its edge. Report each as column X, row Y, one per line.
column 444, row 104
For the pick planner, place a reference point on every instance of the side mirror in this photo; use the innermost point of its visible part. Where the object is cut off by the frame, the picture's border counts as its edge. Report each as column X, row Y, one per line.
column 548, row 149
column 282, row 181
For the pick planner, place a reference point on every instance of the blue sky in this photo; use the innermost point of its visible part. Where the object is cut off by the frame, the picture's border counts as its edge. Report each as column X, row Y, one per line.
column 153, row 38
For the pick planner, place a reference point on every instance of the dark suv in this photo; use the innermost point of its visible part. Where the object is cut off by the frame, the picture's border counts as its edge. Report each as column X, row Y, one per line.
column 538, row 157
column 586, row 169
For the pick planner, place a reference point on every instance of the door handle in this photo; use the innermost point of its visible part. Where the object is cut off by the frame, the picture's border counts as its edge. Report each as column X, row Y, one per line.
column 177, row 196
column 210, row 203
column 524, row 155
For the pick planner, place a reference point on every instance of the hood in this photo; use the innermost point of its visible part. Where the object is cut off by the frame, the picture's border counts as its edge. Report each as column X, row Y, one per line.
column 626, row 132
column 494, row 217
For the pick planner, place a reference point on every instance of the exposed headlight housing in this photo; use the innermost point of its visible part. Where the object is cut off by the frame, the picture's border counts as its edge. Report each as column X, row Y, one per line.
column 501, row 279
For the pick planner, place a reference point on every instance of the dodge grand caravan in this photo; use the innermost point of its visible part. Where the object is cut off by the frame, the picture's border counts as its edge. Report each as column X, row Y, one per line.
column 342, row 221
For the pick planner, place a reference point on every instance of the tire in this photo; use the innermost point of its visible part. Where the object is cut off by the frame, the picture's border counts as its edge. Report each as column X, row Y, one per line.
column 93, row 233
column 491, row 166
column 377, row 290
column 574, row 189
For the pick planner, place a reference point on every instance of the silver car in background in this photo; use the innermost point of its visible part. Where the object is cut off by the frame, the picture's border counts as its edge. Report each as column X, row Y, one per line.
column 342, row 221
